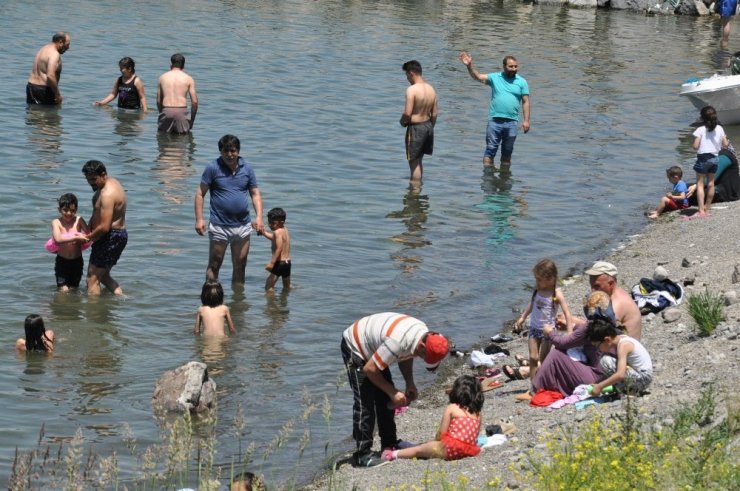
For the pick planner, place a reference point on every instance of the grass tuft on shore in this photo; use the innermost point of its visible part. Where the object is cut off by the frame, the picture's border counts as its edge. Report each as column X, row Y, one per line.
column 706, row 309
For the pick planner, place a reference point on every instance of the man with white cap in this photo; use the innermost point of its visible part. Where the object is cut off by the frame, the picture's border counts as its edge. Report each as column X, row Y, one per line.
column 603, row 277
column 369, row 347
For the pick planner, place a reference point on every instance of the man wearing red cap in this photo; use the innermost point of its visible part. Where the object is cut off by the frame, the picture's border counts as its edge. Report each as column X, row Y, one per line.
column 369, row 347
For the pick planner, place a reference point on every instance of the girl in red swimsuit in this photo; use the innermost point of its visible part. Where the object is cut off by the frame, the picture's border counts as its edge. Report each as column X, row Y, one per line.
column 458, row 433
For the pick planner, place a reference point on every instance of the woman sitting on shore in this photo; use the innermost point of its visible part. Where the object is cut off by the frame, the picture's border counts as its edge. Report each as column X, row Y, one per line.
column 560, row 371
column 38, row 338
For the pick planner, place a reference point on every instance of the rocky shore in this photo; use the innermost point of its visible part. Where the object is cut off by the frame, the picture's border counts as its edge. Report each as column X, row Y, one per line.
column 667, row 7
column 703, row 254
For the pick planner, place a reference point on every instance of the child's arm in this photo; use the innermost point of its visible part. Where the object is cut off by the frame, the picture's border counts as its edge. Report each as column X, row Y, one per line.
column 82, row 226
column 444, row 425
column 268, row 234
column 520, row 321
column 196, row 329
column 277, row 249
column 623, row 351
column 229, row 321
column 566, row 310
column 112, row 95
column 697, row 141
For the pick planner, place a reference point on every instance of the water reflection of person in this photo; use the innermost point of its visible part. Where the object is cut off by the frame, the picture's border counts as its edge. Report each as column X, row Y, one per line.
column 500, row 205
column 45, row 131
column 126, row 122
column 174, row 165
column 213, row 352
column 413, row 215
column 276, row 311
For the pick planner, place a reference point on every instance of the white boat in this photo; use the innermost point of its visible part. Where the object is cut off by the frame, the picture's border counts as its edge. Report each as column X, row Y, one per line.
column 719, row 91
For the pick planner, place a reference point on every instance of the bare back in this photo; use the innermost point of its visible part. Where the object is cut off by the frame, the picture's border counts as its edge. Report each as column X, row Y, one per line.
column 282, row 241
column 109, row 205
column 174, row 88
column 213, row 320
column 424, row 100
column 627, row 312
column 47, row 58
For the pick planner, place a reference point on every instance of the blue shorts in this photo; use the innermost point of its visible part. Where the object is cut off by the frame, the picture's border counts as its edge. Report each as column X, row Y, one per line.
column 219, row 233
column 706, row 163
column 727, row 8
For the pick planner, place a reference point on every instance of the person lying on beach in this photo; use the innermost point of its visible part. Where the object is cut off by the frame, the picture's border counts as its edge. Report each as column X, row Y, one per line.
column 677, row 199
column 457, row 436
column 38, row 338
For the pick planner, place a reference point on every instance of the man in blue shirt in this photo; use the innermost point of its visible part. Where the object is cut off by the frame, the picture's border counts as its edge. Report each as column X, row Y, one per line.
column 508, row 92
column 230, row 179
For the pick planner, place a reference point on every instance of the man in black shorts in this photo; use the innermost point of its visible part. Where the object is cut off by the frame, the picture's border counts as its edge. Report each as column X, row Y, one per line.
column 419, row 116
column 107, row 227
column 43, row 82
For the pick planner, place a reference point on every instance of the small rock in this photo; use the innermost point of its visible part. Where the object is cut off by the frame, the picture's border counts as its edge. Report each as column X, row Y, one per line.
column 671, row 315
column 730, row 297
column 689, row 280
column 686, row 263
column 512, row 485
column 660, row 274
column 732, row 336
column 736, row 274
column 650, row 317
column 668, row 386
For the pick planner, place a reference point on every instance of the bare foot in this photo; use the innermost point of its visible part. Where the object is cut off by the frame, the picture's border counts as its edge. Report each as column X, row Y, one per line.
column 525, row 396
column 653, row 215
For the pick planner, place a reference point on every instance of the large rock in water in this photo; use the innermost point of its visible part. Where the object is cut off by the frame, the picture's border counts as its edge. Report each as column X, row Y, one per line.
column 186, row 388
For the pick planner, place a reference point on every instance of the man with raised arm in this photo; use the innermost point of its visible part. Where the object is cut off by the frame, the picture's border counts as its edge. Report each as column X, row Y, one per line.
column 508, row 92
column 43, row 82
column 419, row 117
column 172, row 98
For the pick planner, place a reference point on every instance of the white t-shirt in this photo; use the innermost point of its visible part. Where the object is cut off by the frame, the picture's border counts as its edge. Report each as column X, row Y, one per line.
column 387, row 337
column 711, row 141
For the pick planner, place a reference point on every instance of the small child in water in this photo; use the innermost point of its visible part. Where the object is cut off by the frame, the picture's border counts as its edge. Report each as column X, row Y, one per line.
column 457, row 436
column 544, row 308
column 677, row 199
column 279, row 265
column 213, row 313
column 38, row 338
column 68, row 239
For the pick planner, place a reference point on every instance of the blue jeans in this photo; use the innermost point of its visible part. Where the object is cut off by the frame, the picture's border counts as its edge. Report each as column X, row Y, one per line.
column 501, row 132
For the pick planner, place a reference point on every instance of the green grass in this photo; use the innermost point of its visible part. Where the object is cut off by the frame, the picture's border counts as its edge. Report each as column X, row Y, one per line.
column 706, row 308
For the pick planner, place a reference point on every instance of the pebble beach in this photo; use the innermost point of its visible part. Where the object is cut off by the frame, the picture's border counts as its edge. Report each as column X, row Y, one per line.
column 702, row 254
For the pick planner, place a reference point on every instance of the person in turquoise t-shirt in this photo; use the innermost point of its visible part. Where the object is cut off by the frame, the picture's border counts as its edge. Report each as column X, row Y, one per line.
column 509, row 91
column 677, row 198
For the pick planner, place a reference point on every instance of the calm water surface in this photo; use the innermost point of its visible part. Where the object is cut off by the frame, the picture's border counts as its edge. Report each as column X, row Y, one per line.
column 314, row 90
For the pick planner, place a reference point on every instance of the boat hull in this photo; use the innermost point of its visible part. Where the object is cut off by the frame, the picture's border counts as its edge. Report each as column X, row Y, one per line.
column 721, row 92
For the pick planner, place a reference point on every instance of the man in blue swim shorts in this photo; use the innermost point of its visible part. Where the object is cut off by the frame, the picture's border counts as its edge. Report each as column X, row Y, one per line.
column 230, row 180
column 107, row 227
column 508, row 92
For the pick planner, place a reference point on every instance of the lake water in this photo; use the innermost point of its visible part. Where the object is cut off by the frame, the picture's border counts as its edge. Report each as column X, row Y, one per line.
column 314, row 90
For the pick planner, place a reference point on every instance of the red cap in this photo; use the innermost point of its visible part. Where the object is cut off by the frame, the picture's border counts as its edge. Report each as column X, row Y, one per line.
column 436, row 348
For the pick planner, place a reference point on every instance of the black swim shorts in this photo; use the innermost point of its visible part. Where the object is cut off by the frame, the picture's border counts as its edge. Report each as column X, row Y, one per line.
column 281, row 269
column 107, row 249
column 39, row 94
column 68, row 271
column 419, row 140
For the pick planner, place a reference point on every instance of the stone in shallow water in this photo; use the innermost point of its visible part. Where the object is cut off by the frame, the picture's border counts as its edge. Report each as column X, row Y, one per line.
column 186, row 388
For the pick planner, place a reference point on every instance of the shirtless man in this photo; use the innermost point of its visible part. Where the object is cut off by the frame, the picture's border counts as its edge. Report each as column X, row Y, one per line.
column 419, row 116
column 107, row 227
column 603, row 276
column 43, row 82
column 172, row 102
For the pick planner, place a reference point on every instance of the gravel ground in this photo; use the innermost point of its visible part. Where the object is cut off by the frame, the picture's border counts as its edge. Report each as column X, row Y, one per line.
column 704, row 252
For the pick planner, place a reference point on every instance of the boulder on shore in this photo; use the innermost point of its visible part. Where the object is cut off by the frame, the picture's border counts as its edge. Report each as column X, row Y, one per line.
column 186, row 388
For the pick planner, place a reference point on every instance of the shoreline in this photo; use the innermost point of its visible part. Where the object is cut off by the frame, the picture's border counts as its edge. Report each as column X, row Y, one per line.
column 702, row 250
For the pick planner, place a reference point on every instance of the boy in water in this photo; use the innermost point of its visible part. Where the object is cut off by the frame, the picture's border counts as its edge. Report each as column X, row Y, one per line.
column 677, row 198
column 68, row 235
column 279, row 265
